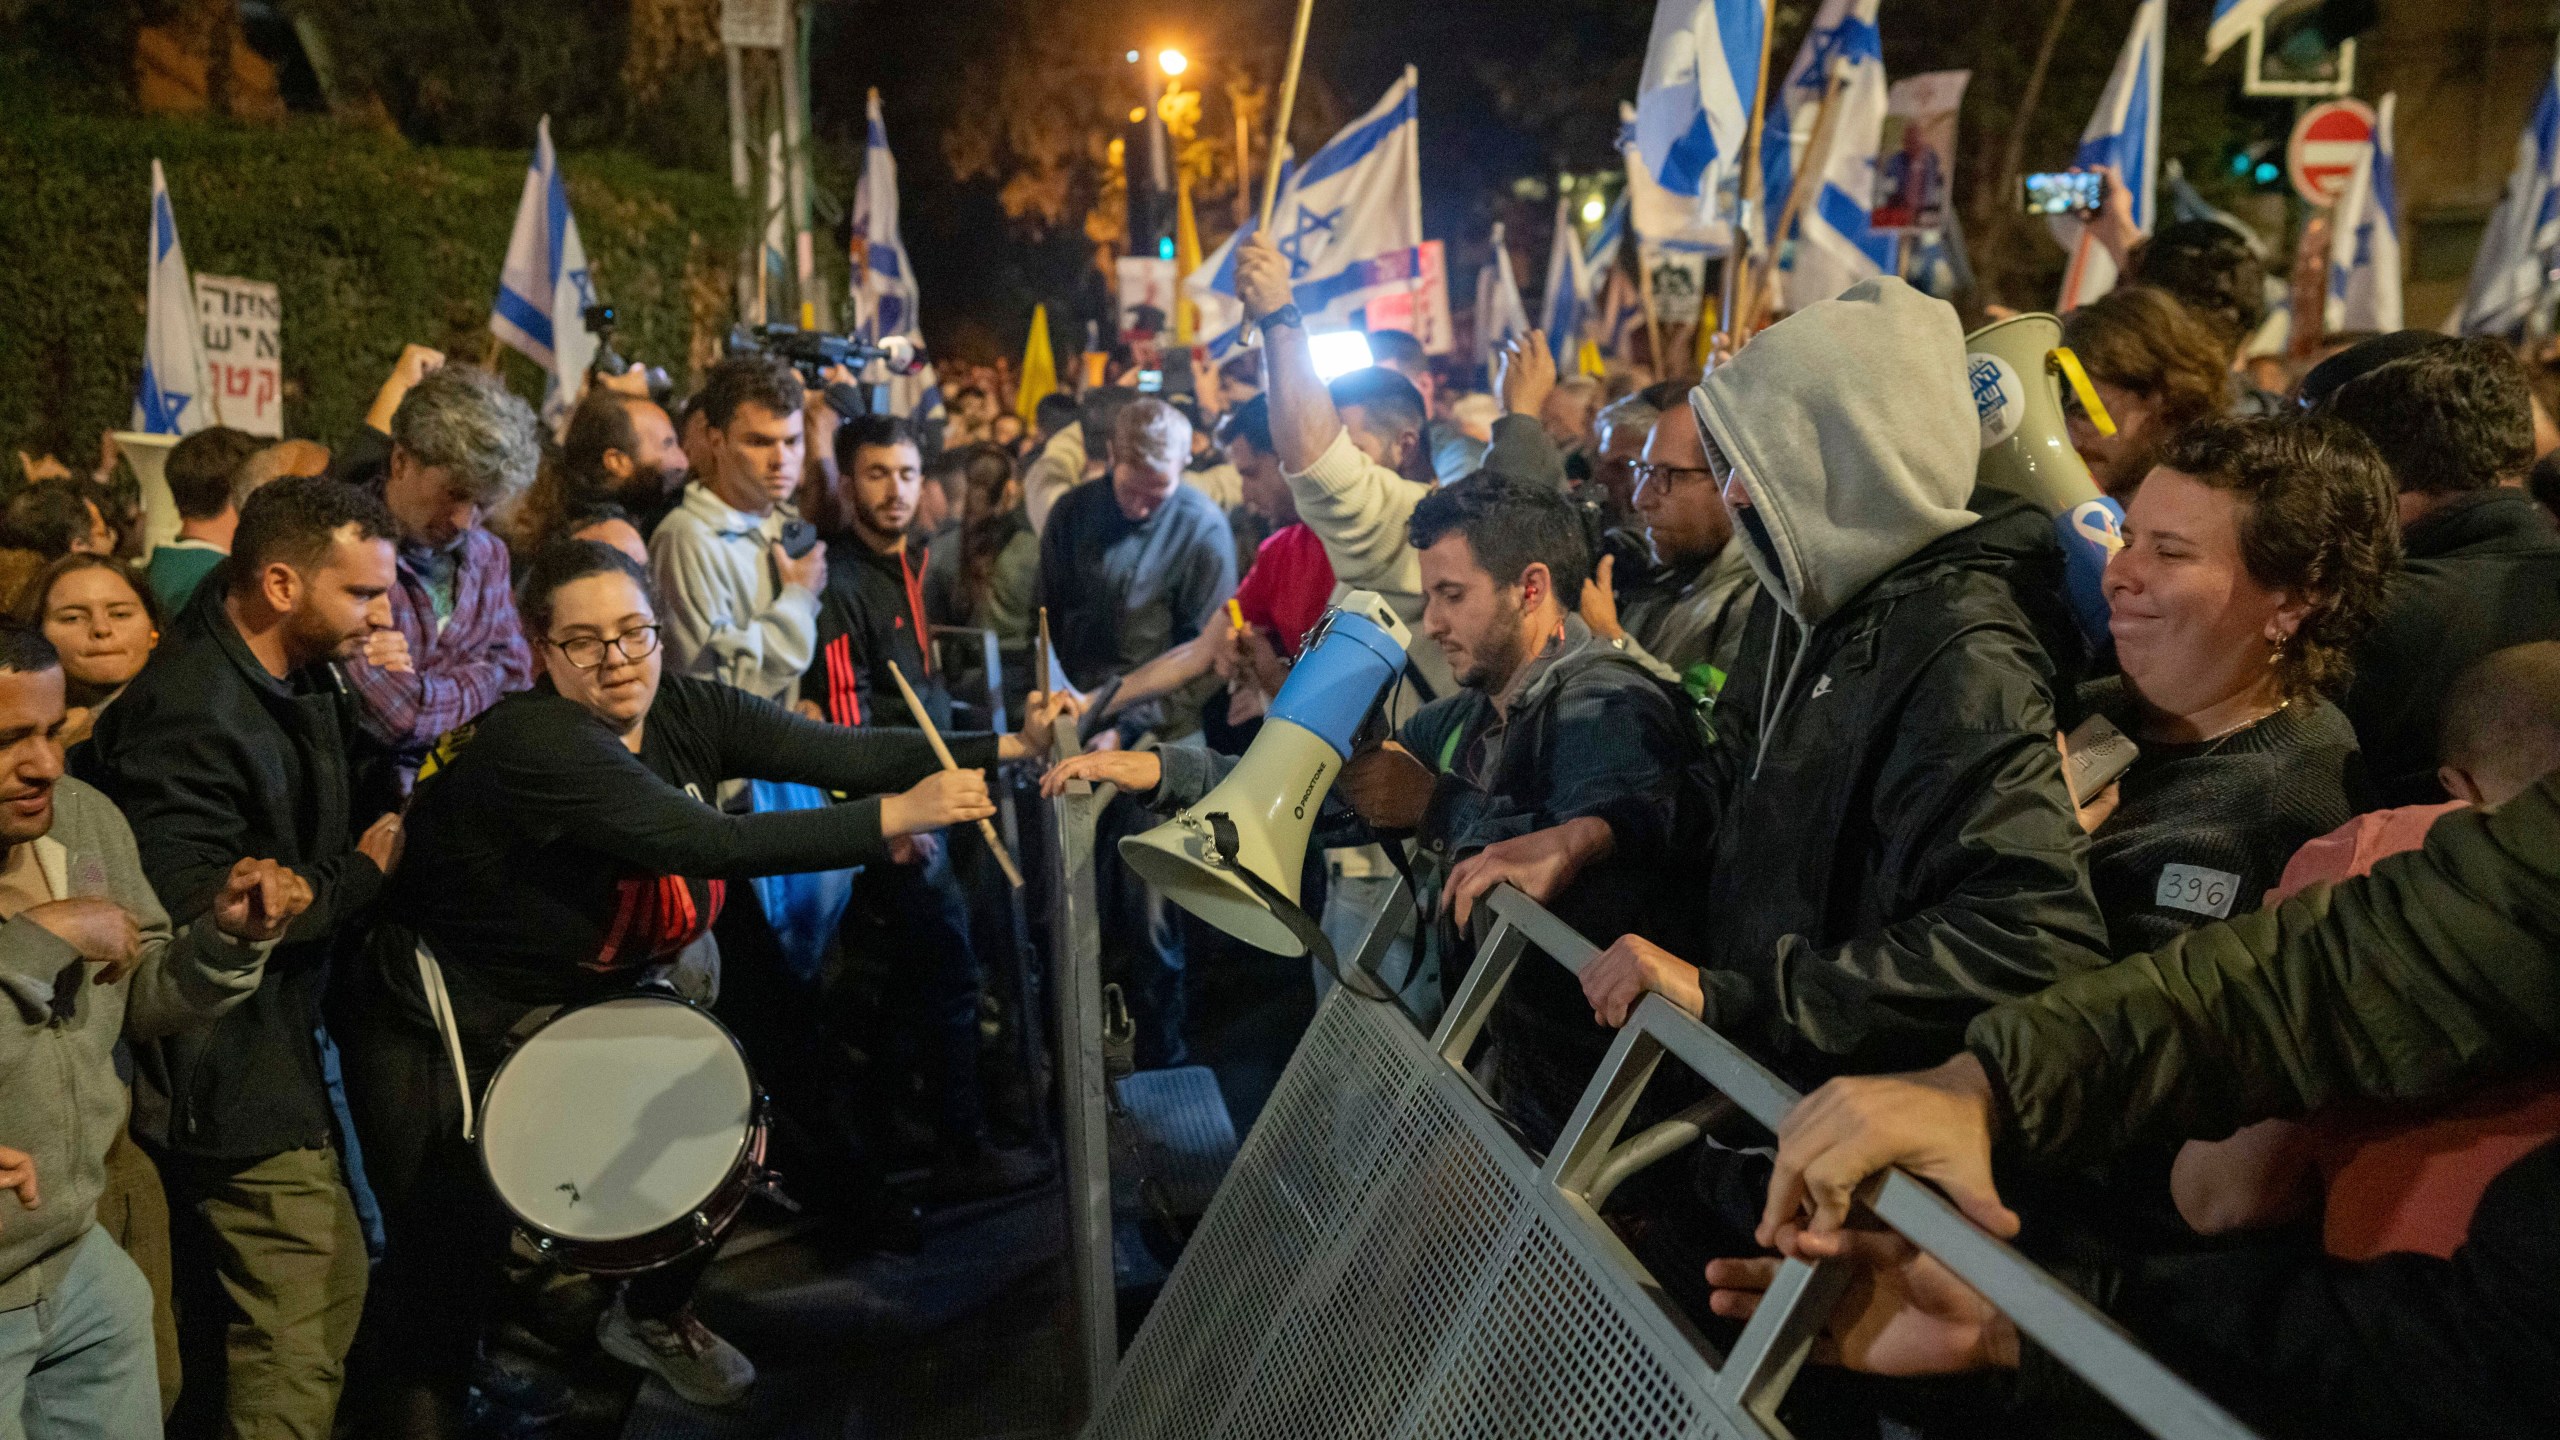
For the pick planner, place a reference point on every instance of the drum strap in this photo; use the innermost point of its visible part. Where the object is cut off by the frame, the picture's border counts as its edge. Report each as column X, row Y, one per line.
column 440, row 1006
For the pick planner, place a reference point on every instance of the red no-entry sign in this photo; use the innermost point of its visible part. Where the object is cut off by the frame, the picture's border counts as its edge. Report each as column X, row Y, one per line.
column 2327, row 141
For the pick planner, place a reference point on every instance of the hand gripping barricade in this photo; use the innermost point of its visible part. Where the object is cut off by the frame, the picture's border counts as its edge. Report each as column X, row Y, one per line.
column 1386, row 1260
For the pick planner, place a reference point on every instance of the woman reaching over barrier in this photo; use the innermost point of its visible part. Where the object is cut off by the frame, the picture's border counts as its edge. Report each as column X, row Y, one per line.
column 563, row 850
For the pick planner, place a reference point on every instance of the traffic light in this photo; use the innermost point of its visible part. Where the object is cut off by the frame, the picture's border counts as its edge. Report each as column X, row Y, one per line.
column 2259, row 164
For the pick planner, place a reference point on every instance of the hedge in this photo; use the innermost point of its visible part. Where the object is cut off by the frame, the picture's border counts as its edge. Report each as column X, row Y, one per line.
column 372, row 241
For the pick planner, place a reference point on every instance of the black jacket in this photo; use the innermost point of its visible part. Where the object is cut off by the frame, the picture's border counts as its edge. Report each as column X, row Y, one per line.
column 2479, row 575
column 872, row 614
column 212, row 760
column 1899, row 850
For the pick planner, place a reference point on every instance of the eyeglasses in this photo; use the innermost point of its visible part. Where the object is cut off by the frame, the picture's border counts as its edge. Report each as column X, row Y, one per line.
column 1668, row 476
column 587, row 652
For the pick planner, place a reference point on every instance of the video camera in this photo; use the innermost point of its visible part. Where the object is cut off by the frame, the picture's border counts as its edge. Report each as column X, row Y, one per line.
column 814, row 352
column 609, row 361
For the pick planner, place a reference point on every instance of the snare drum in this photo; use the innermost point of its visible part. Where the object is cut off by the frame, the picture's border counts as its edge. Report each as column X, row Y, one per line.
column 624, row 1134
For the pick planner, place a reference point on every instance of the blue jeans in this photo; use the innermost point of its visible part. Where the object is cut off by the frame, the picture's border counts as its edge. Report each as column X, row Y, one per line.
column 79, row 1363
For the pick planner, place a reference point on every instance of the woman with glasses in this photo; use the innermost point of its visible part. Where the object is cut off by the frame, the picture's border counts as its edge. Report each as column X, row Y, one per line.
column 562, row 849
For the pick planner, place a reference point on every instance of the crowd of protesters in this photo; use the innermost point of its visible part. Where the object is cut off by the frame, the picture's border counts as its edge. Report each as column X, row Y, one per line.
column 392, row 750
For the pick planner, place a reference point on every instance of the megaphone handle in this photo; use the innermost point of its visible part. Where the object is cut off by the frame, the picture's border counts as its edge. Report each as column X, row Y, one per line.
column 1222, row 833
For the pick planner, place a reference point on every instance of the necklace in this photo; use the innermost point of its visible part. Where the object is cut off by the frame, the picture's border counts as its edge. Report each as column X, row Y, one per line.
column 2212, row 743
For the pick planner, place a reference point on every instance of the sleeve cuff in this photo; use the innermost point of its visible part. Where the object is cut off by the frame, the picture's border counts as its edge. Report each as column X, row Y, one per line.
column 1190, row 772
column 30, row 958
column 223, row 952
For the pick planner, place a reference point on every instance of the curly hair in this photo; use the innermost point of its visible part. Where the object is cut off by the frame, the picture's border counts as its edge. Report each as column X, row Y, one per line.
column 2453, row 415
column 2318, row 516
column 2141, row 339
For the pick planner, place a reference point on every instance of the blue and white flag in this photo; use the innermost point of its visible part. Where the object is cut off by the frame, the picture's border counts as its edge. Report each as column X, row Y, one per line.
column 1693, row 106
column 884, row 286
column 1349, row 221
column 2364, row 240
column 175, row 396
column 1600, row 252
column 2125, row 133
column 544, row 289
column 1500, row 313
column 2232, row 22
column 1843, row 30
column 1835, row 245
column 773, row 278
column 2508, row 275
column 1662, row 220
column 1568, row 296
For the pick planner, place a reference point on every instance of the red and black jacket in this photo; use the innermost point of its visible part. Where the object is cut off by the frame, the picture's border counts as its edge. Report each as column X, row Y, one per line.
column 871, row 615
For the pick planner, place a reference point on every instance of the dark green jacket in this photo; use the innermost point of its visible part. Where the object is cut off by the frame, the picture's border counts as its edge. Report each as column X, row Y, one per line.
column 2434, row 972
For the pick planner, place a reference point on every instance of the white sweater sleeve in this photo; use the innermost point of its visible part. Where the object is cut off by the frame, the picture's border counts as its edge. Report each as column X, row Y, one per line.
column 1360, row 510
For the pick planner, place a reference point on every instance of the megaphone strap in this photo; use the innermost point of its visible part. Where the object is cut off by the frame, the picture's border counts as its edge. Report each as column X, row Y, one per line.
column 1222, row 834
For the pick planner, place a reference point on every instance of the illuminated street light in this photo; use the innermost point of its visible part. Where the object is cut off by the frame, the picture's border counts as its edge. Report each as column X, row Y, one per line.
column 1172, row 62
column 1133, row 57
column 1137, row 114
column 1593, row 210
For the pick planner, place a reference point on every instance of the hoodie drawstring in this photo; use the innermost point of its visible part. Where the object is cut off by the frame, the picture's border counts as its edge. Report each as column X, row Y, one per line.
column 1774, row 708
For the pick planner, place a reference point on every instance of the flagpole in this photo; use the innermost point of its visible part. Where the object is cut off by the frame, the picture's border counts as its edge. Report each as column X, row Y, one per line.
column 1288, row 105
column 1747, row 201
column 1808, row 179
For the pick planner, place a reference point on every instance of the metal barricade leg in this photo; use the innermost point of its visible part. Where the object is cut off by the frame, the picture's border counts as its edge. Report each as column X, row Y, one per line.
column 1085, row 1128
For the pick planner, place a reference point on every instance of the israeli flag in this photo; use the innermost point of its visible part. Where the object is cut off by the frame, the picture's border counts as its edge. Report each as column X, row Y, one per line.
column 884, row 287
column 1661, row 219
column 2507, row 276
column 1844, row 30
column 1600, row 252
column 2124, row 133
column 1500, row 314
column 2364, row 240
column 175, row 396
column 1835, row 247
column 1349, row 221
column 1693, row 106
column 544, row 288
column 1567, row 298
column 2232, row 22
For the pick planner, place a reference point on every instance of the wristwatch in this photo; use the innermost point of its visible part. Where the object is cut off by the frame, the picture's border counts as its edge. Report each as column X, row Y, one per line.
column 1285, row 315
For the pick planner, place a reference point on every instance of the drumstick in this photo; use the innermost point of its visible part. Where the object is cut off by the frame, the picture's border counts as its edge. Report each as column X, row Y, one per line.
column 942, row 752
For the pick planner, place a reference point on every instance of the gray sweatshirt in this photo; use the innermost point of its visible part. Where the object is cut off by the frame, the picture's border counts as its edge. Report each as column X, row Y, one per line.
column 60, row 1098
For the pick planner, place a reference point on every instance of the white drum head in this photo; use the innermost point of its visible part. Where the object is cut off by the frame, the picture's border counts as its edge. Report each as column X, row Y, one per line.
column 616, row 1119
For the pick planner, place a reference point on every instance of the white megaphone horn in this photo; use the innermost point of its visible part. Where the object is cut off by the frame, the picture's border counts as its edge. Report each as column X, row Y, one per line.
column 1234, row 857
column 2017, row 368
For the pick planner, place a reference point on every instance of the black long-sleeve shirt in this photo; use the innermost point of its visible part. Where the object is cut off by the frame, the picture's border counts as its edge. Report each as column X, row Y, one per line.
column 547, row 863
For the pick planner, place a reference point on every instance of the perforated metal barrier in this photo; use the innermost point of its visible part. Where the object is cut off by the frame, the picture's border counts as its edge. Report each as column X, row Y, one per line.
column 1386, row 1260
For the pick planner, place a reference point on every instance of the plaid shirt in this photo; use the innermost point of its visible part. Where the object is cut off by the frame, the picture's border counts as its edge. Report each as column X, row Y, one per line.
column 477, row 656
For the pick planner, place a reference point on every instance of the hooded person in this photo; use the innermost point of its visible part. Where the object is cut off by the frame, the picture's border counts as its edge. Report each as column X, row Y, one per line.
column 1890, row 843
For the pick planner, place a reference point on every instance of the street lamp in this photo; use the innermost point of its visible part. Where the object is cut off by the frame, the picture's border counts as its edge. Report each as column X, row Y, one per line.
column 1593, row 211
column 1172, row 61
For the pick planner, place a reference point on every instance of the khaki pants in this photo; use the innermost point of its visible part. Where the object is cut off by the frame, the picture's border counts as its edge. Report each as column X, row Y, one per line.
column 271, row 1251
column 135, row 1214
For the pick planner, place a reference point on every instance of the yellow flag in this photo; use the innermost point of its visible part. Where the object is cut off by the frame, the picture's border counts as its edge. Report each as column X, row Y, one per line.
column 1186, row 259
column 1588, row 360
column 1039, row 371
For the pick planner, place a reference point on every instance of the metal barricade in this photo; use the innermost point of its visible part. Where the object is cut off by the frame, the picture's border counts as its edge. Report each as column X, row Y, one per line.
column 1385, row 1259
column 1075, row 948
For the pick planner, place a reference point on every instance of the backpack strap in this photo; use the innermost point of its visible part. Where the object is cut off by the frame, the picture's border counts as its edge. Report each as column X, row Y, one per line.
column 1222, row 833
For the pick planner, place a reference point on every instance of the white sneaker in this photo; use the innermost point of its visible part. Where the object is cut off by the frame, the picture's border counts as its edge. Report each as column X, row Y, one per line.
column 696, row 1364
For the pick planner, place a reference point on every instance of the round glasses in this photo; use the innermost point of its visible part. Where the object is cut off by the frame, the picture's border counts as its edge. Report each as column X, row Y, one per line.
column 587, row 652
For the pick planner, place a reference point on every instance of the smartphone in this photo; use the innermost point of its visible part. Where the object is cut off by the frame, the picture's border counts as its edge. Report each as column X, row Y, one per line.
column 1150, row 382
column 2064, row 192
column 1339, row 352
column 2100, row 753
column 798, row 538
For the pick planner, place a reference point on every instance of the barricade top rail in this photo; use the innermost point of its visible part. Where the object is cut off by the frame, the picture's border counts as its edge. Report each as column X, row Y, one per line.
column 2045, row 1311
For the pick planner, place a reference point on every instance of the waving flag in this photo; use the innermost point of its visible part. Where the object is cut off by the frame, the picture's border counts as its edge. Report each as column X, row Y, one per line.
column 1843, row 30
column 1600, row 253
column 2507, row 274
column 1500, row 314
column 884, row 287
column 1835, row 246
column 544, row 288
column 2364, row 240
column 1349, row 221
column 1568, row 294
column 2124, row 133
column 175, row 396
column 2232, row 22
column 1693, row 105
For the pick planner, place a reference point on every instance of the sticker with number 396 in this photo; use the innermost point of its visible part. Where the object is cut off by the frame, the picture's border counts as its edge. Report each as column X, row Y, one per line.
column 2193, row 887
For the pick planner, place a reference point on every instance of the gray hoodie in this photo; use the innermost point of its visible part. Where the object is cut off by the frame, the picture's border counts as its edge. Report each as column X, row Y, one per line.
column 1853, row 475
column 60, row 1099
